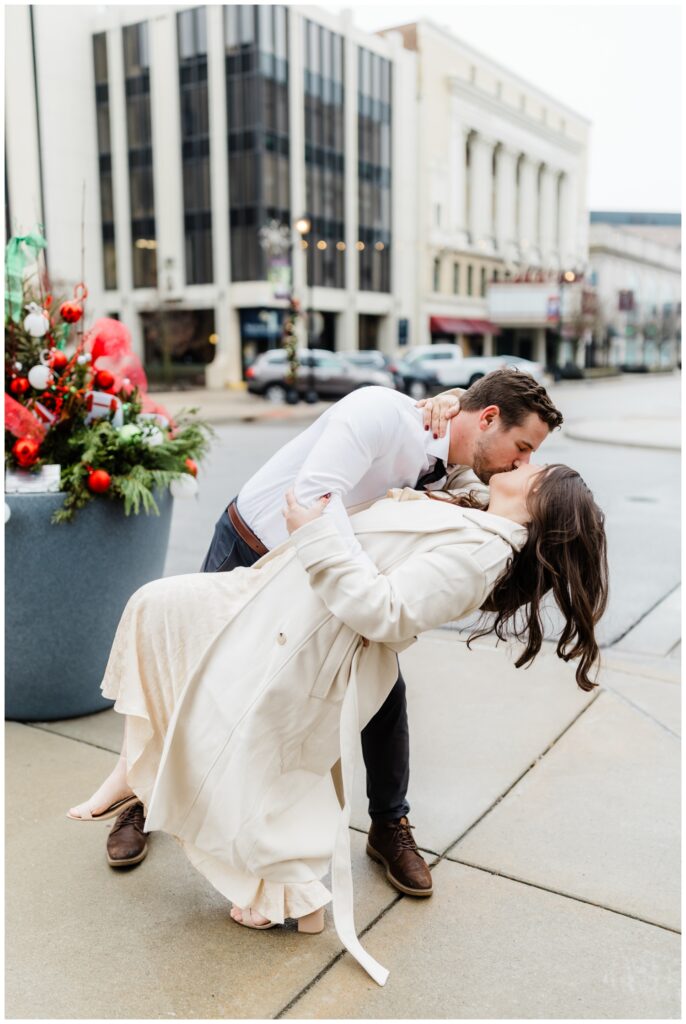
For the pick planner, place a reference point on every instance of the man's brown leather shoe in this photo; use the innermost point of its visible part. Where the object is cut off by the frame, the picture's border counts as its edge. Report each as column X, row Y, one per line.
column 392, row 844
column 127, row 843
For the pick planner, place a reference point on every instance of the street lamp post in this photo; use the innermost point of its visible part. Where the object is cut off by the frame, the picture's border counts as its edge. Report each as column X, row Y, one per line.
column 568, row 277
column 277, row 239
column 303, row 226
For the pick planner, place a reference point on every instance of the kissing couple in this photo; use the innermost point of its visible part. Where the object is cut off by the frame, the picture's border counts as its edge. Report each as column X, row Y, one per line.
column 245, row 687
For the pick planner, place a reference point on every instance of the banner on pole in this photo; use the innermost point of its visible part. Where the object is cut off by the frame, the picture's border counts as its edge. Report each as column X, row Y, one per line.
column 279, row 276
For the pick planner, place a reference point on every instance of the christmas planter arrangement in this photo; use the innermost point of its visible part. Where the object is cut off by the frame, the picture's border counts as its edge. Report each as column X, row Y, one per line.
column 92, row 466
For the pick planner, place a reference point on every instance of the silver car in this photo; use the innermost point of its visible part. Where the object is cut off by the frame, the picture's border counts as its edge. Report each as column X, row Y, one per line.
column 322, row 372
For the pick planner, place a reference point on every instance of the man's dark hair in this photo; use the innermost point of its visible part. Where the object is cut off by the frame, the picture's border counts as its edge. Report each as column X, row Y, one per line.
column 515, row 393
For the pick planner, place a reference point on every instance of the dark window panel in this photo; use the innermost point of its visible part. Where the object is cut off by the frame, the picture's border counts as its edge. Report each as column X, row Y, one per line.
column 104, row 160
column 100, row 58
column 186, row 34
column 258, row 129
column 195, row 145
column 139, row 142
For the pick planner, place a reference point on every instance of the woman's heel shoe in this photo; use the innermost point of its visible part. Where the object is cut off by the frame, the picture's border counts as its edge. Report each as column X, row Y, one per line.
column 312, row 924
column 109, row 812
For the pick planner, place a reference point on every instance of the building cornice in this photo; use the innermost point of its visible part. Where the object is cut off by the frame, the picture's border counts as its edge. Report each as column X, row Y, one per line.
column 500, row 69
column 606, row 249
column 491, row 105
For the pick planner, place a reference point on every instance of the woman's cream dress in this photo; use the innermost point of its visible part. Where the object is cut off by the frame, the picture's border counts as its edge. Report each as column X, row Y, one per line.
column 245, row 691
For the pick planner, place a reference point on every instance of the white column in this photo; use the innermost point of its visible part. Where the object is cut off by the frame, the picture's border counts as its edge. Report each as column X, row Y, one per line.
column 219, row 162
column 568, row 220
column 527, row 207
column 350, row 317
column 546, row 235
column 296, row 116
column 21, row 124
column 226, row 365
column 481, row 182
column 506, row 201
column 458, row 179
column 165, row 115
column 120, row 186
column 488, row 345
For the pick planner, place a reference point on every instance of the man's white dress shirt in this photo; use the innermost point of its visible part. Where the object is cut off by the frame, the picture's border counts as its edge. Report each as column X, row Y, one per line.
column 369, row 441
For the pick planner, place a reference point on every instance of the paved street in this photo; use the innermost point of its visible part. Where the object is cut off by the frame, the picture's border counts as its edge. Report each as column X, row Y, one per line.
column 550, row 816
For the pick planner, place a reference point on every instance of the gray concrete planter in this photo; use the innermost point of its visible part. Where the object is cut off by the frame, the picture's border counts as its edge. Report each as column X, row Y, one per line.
column 65, row 589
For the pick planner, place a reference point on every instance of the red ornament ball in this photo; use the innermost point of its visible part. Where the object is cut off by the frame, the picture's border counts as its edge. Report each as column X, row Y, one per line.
column 104, row 380
column 58, row 359
column 25, row 451
column 192, row 467
column 71, row 312
column 20, row 385
column 99, row 481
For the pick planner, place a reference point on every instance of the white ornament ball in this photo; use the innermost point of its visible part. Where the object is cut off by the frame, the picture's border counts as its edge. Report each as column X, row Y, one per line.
column 37, row 323
column 185, row 486
column 152, row 436
column 39, row 377
column 8, row 512
column 129, row 432
column 18, row 366
column 84, row 358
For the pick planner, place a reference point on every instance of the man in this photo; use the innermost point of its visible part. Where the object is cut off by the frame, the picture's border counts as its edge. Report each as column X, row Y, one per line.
column 371, row 440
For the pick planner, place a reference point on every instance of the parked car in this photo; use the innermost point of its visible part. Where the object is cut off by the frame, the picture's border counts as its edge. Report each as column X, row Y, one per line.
column 452, row 369
column 428, row 369
column 418, row 379
column 374, row 360
column 535, row 370
column 320, row 371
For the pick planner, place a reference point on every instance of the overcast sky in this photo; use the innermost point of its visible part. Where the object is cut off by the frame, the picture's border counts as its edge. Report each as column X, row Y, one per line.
column 618, row 65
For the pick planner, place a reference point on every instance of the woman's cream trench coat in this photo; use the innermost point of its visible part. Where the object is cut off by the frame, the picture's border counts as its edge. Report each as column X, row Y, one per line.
column 272, row 678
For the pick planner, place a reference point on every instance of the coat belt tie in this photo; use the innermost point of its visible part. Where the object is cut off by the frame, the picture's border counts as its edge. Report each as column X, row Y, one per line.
column 341, row 868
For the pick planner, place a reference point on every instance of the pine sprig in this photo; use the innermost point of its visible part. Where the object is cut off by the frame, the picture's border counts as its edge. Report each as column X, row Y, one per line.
column 141, row 463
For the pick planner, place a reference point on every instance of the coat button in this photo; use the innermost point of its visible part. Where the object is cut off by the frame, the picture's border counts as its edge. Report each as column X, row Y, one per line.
column 281, row 639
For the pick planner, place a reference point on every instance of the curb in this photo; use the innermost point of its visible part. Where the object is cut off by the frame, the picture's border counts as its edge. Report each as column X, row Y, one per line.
column 577, row 432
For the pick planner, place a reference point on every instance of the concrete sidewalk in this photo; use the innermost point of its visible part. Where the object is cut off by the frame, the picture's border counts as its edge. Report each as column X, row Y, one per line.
column 551, row 818
column 636, row 432
column 236, row 406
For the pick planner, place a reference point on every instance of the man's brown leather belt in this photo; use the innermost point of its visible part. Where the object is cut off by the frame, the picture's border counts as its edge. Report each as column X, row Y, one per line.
column 244, row 532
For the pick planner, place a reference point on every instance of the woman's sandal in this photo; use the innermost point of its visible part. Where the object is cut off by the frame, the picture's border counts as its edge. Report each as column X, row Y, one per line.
column 109, row 812
column 310, row 924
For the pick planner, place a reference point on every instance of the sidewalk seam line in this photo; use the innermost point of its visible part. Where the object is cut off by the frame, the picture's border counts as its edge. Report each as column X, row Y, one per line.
column 638, row 621
column 66, row 736
column 332, row 963
column 564, row 895
column 645, row 714
column 519, row 778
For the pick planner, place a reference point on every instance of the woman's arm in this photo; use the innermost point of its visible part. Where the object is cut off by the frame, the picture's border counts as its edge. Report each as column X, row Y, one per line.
column 427, row 590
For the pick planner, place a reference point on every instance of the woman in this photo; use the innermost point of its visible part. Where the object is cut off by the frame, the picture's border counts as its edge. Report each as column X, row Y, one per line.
column 243, row 691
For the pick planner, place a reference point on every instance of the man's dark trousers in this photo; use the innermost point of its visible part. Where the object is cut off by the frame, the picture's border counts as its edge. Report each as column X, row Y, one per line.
column 385, row 739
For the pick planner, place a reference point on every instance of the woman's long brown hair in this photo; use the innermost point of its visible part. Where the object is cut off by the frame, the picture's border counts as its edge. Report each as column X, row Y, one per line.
column 566, row 553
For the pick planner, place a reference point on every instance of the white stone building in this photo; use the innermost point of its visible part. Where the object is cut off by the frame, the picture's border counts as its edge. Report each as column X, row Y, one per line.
column 635, row 261
column 445, row 194
column 502, row 172
column 183, row 131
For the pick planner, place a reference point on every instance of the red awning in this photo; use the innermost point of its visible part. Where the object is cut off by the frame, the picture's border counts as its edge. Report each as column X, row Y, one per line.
column 451, row 325
column 483, row 327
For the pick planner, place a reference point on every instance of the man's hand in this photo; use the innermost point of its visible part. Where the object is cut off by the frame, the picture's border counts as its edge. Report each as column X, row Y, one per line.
column 437, row 412
column 297, row 515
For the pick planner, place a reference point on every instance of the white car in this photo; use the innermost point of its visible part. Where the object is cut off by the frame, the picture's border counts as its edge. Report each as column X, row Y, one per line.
column 535, row 370
column 454, row 370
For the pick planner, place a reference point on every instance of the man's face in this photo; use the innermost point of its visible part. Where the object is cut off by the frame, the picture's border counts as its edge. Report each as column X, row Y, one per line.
column 497, row 450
